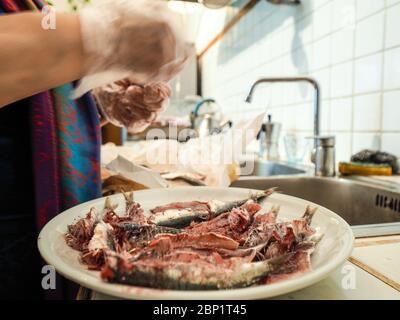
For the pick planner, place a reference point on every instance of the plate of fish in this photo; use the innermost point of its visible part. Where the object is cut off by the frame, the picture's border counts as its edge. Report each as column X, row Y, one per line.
column 196, row 243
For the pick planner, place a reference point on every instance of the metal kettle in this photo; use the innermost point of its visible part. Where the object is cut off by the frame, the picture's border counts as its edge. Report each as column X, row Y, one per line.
column 210, row 120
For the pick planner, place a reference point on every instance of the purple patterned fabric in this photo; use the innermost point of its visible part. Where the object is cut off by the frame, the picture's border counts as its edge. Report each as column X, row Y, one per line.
column 45, row 158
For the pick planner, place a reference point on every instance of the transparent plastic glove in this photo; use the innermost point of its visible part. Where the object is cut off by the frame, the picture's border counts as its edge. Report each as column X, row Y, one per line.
column 136, row 39
column 129, row 105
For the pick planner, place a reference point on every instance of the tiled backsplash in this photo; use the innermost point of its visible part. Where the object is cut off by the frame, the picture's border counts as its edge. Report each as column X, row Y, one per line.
column 352, row 47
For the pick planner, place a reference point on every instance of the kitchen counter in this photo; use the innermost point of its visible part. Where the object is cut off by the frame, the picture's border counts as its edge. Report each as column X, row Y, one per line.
column 375, row 264
column 371, row 272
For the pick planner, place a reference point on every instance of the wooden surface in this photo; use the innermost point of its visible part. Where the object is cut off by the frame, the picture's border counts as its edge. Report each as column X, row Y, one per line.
column 84, row 294
column 111, row 133
column 373, row 241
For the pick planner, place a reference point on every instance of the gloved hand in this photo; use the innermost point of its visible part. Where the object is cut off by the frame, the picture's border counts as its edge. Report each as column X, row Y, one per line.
column 134, row 107
column 136, row 39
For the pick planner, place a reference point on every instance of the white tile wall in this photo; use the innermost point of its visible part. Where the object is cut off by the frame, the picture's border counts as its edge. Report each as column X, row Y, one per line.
column 342, row 80
column 390, row 112
column 352, row 47
column 365, row 141
column 392, row 69
column 367, row 112
column 369, row 34
column 321, row 53
column 391, row 2
column 341, row 114
column 342, row 45
column 368, row 73
column 390, row 141
column 322, row 19
column 343, row 146
column 367, row 7
column 344, row 14
column 393, row 26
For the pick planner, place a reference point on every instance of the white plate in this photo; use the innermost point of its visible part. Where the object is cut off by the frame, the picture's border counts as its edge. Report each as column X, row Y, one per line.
column 331, row 252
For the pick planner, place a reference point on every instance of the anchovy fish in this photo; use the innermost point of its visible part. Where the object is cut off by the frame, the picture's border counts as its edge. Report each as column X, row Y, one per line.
column 137, row 229
column 186, row 276
column 101, row 242
column 80, row 233
column 256, row 197
column 182, row 214
column 260, row 231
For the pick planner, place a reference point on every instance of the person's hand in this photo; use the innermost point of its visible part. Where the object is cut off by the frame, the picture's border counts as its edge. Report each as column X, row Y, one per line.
column 138, row 39
column 126, row 104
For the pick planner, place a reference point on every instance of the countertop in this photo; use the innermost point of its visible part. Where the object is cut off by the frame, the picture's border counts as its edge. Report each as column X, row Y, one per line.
column 371, row 272
column 375, row 264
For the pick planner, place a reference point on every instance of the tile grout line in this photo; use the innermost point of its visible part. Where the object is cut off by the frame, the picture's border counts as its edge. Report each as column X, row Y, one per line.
column 383, row 74
column 353, row 79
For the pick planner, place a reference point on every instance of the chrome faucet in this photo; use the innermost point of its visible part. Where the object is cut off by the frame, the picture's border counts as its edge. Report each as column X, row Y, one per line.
column 320, row 169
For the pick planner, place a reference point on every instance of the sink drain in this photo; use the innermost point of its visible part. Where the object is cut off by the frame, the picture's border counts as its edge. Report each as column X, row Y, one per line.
column 386, row 202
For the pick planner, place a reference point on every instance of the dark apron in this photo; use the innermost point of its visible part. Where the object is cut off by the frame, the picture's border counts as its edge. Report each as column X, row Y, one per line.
column 19, row 258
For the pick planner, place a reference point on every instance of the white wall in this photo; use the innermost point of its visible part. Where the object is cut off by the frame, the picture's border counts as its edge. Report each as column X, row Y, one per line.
column 61, row 5
column 352, row 47
column 66, row 5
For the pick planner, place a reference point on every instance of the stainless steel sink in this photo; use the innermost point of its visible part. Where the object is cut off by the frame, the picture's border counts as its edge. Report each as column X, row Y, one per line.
column 264, row 168
column 360, row 204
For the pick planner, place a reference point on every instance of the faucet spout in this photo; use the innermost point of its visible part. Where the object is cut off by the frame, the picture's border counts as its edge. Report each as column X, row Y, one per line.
column 317, row 105
column 313, row 82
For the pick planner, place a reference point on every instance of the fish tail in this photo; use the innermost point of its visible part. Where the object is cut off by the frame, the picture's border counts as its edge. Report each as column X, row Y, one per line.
column 235, row 204
column 128, row 196
column 109, row 206
column 263, row 194
column 275, row 210
column 309, row 213
column 259, row 270
column 107, row 203
column 270, row 191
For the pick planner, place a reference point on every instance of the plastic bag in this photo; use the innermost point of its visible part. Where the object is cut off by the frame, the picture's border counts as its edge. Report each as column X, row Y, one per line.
column 140, row 40
column 125, row 104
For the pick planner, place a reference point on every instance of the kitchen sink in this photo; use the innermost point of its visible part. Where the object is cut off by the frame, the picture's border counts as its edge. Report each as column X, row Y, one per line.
column 371, row 210
column 264, row 168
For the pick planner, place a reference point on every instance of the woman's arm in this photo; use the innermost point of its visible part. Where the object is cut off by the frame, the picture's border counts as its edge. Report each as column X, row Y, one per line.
column 106, row 42
column 33, row 59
